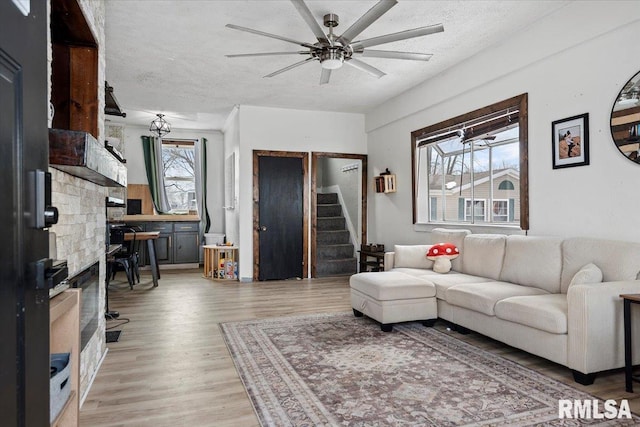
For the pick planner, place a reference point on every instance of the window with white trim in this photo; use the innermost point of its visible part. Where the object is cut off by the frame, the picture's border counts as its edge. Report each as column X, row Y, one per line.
column 474, row 208
column 178, row 158
column 500, row 211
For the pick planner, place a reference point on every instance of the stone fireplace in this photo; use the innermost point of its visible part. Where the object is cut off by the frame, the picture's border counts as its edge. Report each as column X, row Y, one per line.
column 80, row 231
column 80, row 239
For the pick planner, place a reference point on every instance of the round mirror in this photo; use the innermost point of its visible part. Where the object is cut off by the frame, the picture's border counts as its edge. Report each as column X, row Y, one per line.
column 625, row 120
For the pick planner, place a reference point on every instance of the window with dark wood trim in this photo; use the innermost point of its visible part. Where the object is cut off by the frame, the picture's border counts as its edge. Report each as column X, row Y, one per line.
column 486, row 132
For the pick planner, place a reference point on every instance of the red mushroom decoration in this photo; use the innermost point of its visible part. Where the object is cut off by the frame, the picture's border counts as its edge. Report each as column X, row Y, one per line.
column 441, row 254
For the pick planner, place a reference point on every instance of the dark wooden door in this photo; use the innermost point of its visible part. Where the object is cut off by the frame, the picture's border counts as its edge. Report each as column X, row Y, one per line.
column 281, row 224
column 24, row 309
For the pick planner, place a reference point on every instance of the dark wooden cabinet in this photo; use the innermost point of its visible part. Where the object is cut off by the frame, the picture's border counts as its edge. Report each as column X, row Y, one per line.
column 186, row 248
column 186, row 242
column 178, row 243
column 164, row 243
column 371, row 261
column 164, row 252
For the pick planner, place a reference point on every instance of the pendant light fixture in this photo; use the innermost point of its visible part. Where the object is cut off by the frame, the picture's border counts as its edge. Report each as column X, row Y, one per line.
column 160, row 126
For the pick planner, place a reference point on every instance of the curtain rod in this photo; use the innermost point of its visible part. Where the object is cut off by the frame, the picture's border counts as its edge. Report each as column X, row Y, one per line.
column 178, row 141
column 511, row 111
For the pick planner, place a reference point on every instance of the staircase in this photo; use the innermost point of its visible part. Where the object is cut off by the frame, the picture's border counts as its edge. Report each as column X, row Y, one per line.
column 334, row 251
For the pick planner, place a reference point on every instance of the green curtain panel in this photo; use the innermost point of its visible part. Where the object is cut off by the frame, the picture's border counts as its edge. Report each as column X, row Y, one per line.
column 201, row 184
column 152, row 148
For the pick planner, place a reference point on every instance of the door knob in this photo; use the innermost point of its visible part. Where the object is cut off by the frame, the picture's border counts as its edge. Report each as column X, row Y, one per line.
column 50, row 216
column 263, row 228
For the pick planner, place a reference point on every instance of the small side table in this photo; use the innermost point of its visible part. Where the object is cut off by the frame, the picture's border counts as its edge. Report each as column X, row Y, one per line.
column 367, row 264
column 629, row 378
column 220, row 262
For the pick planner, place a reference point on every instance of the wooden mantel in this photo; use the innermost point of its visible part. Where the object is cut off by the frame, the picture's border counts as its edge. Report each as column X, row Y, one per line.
column 79, row 154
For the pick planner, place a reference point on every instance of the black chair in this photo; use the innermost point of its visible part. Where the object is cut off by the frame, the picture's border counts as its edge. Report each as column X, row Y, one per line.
column 135, row 251
column 127, row 258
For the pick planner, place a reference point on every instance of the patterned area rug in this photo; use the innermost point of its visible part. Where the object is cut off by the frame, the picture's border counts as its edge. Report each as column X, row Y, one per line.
column 339, row 370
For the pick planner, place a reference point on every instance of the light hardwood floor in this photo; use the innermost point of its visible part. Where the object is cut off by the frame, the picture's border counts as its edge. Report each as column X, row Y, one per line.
column 171, row 366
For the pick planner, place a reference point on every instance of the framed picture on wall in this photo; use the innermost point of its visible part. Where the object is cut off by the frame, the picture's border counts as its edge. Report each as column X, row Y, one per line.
column 570, row 139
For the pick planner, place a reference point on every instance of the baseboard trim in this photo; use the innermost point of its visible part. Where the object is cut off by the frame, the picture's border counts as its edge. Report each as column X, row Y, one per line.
column 93, row 377
column 173, row 266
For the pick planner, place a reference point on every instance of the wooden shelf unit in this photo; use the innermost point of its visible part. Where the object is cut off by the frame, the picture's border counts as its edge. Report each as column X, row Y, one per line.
column 64, row 337
column 74, row 69
column 385, row 183
column 371, row 261
column 214, row 256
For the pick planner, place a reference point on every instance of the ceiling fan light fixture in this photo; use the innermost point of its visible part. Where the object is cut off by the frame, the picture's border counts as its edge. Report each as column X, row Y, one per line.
column 331, row 64
column 160, row 126
column 332, row 59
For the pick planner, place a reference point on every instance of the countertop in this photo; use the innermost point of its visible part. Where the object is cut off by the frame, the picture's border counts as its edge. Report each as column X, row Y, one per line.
column 149, row 218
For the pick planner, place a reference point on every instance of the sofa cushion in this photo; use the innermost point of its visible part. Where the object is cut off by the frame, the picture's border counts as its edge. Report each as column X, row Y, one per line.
column 590, row 273
column 445, row 281
column 533, row 261
column 483, row 255
column 392, row 285
column 618, row 260
column 455, row 236
column 545, row 312
column 411, row 256
column 482, row 297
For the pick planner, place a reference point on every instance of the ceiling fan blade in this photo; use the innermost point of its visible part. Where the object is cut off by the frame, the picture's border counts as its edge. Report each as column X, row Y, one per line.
column 324, row 77
column 402, row 35
column 273, row 36
column 306, row 14
column 362, row 66
column 365, row 20
column 395, row 55
column 240, row 55
column 297, row 64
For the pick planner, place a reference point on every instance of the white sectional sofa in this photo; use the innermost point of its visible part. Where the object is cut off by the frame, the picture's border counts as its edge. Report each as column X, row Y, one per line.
column 552, row 297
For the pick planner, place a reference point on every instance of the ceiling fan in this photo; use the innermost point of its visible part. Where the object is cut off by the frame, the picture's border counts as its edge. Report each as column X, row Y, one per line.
column 333, row 51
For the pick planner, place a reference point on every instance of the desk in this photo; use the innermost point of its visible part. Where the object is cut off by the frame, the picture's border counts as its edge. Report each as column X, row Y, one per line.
column 221, row 262
column 628, row 356
column 150, row 237
column 376, row 265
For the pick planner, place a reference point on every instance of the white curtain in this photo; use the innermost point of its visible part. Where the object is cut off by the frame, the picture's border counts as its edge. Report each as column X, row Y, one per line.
column 162, row 191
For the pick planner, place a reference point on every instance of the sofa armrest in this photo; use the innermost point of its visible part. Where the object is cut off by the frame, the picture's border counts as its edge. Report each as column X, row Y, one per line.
column 596, row 327
column 388, row 260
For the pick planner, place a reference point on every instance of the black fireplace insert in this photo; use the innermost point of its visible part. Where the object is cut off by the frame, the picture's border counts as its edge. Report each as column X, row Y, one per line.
column 88, row 280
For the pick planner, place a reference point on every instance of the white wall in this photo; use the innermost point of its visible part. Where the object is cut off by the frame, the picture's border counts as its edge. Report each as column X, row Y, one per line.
column 279, row 129
column 232, row 147
column 136, row 173
column 566, row 70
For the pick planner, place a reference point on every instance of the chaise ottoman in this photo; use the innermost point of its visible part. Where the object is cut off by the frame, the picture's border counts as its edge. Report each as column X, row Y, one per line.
column 391, row 297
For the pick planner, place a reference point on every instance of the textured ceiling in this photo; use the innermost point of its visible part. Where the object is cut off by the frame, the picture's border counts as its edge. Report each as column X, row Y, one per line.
column 169, row 56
